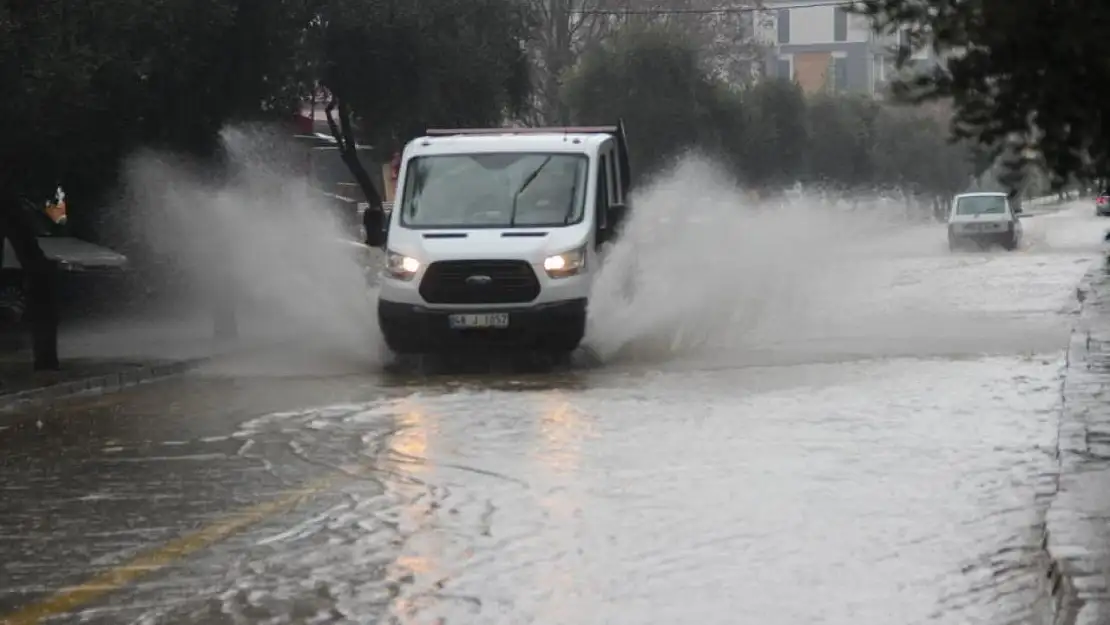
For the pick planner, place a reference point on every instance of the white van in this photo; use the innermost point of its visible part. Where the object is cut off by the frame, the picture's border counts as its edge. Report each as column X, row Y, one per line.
column 984, row 219
column 494, row 236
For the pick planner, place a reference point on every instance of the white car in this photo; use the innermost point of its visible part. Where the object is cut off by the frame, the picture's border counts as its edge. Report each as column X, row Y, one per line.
column 496, row 234
column 984, row 219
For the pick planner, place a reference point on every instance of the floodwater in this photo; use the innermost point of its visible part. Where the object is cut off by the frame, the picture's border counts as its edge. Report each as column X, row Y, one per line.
column 880, row 451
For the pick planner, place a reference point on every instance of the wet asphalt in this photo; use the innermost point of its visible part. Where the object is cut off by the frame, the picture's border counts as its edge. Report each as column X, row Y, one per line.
column 891, row 474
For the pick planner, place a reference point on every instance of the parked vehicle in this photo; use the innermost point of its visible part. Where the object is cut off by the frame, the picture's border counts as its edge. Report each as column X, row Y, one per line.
column 1102, row 203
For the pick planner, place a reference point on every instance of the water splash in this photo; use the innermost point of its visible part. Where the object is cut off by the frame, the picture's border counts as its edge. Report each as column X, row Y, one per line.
column 705, row 265
column 254, row 230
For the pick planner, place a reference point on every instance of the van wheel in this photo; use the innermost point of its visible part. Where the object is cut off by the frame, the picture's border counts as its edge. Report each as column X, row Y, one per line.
column 566, row 338
column 399, row 342
column 559, row 358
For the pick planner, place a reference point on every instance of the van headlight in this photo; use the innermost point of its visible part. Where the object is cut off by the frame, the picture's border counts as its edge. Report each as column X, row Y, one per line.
column 400, row 267
column 567, row 264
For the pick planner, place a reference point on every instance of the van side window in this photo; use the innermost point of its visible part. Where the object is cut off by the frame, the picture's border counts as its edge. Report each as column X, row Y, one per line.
column 602, row 204
column 614, row 181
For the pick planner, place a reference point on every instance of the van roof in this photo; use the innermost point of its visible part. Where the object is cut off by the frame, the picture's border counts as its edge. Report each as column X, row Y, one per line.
column 509, row 142
column 567, row 139
column 982, row 193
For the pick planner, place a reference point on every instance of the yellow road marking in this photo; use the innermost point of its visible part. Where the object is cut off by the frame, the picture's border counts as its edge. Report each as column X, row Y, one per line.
column 69, row 599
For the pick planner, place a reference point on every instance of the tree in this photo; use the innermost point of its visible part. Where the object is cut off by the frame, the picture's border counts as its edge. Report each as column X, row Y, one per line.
column 776, row 137
column 401, row 66
column 565, row 30
column 657, row 84
column 721, row 30
column 770, row 135
column 841, row 137
column 88, row 83
column 50, row 60
column 912, row 152
column 1031, row 71
column 562, row 30
column 398, row 67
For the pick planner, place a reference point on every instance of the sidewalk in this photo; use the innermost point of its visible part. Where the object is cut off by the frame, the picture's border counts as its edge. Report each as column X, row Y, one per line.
column 1078, row 519
column 109, row 356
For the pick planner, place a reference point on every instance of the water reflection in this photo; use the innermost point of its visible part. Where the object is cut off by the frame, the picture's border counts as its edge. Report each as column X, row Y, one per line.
column 416, row 570
column 562, row 429
column 654, row 500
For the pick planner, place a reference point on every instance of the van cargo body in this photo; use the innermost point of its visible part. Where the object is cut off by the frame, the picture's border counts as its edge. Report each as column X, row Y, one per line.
column 495, row 234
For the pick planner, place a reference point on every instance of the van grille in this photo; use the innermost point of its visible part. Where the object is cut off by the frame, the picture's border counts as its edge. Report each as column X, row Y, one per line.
column 509, row 282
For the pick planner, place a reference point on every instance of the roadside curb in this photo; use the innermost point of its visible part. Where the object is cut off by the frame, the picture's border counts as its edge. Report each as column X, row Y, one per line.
column 107, row 383
column 1077, row 528
column 98, row 384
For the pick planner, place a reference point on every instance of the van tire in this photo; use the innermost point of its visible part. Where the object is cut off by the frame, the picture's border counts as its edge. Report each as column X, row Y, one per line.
column 566, row 338
column 397, row 340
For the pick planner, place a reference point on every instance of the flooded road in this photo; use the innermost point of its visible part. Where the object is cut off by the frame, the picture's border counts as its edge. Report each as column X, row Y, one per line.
column 882, row 456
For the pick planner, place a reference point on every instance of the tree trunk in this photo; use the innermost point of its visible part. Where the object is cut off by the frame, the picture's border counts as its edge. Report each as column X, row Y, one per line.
column 348, row 151
column 39, row 273
column 373, row 217
column 559, row 60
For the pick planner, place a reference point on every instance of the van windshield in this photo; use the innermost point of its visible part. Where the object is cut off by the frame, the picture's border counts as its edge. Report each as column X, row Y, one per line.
column 981, row 205
column 494, row 190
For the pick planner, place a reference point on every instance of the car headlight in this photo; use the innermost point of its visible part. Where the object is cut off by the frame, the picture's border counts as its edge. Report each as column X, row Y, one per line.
column 566, row 264
column 401, row 267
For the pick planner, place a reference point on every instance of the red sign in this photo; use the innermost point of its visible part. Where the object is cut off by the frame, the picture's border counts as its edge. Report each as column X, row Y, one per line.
column 303, row 124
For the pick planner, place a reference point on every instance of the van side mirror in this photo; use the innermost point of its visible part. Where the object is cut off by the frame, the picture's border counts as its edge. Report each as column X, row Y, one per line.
column 375, row 222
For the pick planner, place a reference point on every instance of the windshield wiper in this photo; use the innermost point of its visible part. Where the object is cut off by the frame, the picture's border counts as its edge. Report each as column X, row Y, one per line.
column 527, row 181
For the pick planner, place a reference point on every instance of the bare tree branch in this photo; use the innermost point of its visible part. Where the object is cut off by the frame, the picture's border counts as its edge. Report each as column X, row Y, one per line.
column 348, row 150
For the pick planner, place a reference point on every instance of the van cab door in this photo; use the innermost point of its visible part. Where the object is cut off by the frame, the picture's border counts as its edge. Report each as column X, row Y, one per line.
column 610, row 201
column 603, row 193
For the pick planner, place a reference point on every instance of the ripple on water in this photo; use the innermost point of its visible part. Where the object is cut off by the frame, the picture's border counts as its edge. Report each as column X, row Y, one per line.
column 885, row 492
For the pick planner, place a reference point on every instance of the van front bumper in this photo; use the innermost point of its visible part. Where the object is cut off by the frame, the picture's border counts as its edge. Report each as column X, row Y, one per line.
column 551, row 326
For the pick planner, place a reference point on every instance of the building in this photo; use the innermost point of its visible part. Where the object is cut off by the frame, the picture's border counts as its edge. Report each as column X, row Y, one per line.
column 825, row 48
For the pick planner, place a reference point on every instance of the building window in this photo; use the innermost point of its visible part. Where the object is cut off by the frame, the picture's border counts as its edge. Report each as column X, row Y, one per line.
column 878, row 73
column 840, row 74
column 784, row 25
column 840, row 25
column 783, row 69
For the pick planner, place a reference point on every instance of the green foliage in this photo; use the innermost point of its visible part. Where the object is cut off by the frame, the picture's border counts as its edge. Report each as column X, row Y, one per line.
column 1034, row 70
column 776, row 134
column 87, row 83
column 403, row 66
column 770, row 134
column 656, row 84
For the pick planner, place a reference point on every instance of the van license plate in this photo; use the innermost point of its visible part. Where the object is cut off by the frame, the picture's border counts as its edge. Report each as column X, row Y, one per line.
column 480, row 320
